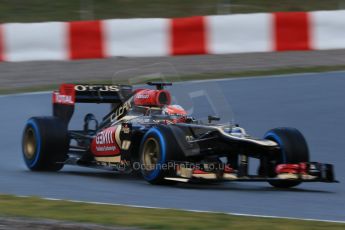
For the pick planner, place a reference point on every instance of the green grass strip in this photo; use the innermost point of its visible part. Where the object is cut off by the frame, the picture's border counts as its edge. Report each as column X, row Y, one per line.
column 34, row 207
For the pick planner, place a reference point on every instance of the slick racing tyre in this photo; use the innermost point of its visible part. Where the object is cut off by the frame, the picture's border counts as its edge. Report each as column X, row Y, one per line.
column 45, row 144
column 157, row 149
column 293, row 149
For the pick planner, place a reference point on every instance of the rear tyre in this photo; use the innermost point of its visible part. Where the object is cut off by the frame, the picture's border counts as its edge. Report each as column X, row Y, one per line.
column 157, row 149
column 45, row 143
column 293, row 149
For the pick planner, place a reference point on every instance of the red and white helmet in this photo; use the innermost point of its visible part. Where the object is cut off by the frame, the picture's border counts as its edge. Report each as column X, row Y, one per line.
column 177, row 111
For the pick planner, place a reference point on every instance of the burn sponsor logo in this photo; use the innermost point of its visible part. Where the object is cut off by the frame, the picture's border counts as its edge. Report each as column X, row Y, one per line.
column 62, row 99
column 105, row 148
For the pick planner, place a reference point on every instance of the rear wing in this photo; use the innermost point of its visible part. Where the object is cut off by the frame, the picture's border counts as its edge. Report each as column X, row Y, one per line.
column 69, row 94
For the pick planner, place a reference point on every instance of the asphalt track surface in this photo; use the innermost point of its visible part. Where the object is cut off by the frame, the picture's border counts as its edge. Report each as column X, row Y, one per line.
column 30, row 74
column 313, row 103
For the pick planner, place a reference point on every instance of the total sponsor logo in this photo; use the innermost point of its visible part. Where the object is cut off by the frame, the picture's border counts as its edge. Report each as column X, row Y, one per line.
column 63, row 99
column 101, row 88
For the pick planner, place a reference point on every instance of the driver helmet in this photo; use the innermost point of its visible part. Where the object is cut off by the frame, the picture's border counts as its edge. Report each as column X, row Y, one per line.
column 176, row 111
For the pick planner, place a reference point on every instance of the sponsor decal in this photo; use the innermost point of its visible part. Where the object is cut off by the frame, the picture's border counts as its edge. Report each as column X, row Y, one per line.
column 126, row 129
column 104, row 143
column 189, row 138
column 63, row 99
column 105, row 137
column 126, row 144
column 142, row 96
column 101, row 88
column 123, row 109
column 105, row 148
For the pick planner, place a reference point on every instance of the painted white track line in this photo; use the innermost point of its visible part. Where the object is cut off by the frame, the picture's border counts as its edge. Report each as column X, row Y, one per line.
column 265, row 77
column 190, row 210
column 25, row 94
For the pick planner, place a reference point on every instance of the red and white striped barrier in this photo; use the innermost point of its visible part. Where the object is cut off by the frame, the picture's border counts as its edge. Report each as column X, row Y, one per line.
column 238, row 33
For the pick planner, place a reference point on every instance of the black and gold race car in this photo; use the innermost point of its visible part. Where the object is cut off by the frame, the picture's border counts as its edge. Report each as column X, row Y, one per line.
column 145, row 132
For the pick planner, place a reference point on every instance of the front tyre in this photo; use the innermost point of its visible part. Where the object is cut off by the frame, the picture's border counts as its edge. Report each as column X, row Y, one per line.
column 156, row 151
column 45, row 143
column 293, row 149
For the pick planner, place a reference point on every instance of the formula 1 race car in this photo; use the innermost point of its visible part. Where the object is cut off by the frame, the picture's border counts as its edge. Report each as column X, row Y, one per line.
column 144, row 131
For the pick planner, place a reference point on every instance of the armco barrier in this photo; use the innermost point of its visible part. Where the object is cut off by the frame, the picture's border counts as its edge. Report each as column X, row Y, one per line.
column 238, row 33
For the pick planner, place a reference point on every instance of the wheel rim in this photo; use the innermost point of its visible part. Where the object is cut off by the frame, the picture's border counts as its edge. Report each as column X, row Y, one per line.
column 30, row 144
column 151, row 153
